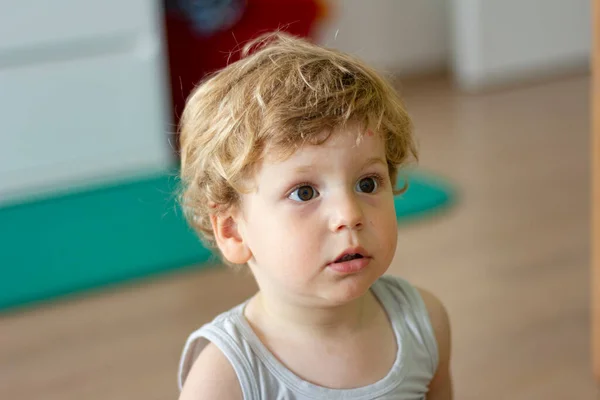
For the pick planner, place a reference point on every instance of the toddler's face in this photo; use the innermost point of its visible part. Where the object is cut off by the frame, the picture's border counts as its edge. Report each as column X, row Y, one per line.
column 321, row 225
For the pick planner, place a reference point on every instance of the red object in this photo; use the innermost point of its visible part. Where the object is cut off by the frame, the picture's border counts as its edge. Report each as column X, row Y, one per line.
column 192, row 56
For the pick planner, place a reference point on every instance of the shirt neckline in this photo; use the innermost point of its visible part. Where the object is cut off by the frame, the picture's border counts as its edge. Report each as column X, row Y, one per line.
column 386, row 384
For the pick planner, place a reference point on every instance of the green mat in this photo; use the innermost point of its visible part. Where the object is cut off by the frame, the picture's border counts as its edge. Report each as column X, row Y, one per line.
column 69, row 243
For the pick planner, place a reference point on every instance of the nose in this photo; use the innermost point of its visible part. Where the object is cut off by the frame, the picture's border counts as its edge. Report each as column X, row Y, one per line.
column 347, row 213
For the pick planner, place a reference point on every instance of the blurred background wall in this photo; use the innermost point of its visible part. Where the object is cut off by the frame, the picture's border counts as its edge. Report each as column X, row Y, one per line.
column 482, row 43
column 502, row 42
column 399, row 37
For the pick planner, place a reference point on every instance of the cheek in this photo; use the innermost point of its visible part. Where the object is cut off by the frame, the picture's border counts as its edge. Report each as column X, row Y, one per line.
column 282, row 235
column 298, row 234
column 387, row 229
column 384, row 222
column 288, row 252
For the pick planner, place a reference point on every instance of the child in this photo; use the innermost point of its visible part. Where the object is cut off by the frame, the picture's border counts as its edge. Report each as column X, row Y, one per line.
column 289, row 158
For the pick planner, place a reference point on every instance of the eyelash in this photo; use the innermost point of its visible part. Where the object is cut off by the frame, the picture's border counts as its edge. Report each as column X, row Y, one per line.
column 298, row 186
column 378, row 179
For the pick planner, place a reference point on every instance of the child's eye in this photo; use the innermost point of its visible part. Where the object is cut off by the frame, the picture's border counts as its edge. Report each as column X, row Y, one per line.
column 304, row 193
column 368, row 185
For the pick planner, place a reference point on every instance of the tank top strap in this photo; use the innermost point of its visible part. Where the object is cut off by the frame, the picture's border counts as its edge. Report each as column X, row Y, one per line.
column 402, row 298
column 224, row 334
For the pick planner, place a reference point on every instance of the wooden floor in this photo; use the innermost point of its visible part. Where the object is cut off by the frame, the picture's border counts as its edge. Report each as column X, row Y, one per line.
column 511, row 262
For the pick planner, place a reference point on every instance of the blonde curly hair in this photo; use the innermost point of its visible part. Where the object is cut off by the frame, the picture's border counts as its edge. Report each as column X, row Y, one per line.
column 283, row 93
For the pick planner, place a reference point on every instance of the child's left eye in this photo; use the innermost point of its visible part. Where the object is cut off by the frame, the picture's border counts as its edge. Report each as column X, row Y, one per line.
column 304, row 193
column 367, row 185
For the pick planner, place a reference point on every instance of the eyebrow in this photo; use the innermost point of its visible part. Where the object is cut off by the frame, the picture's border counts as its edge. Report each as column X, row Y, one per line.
column 375, row 160
column 303, row 169
column 369, row 162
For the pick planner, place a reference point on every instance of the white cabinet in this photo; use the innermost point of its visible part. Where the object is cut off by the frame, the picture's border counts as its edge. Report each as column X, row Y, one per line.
column 83, row 94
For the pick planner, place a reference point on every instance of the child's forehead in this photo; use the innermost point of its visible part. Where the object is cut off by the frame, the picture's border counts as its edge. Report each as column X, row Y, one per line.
column 354, row 143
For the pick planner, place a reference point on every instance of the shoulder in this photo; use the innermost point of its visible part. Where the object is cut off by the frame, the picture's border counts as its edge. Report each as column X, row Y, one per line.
column 212, row 377
column 441, row 384
column 440, row 321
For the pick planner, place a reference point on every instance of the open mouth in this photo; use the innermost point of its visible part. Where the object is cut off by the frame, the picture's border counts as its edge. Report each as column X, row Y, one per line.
column 348, row 257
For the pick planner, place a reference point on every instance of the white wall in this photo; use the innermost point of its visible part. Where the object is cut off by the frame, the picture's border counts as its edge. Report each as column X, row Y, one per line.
column 397, row 36
column 485, row 42
column 82, row 94
column 496, row 42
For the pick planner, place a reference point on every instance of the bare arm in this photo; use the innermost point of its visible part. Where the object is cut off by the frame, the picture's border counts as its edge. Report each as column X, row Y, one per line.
column 440, row 387
column 211, row 377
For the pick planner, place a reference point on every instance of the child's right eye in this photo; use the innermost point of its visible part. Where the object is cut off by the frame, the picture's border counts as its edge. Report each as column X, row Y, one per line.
column 303, row 193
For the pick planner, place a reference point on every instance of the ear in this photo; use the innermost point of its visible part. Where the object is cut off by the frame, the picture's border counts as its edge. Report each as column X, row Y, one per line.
column 229, row 239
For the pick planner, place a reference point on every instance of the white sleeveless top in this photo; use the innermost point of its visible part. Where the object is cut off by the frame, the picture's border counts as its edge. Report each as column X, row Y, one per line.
column 263, row 377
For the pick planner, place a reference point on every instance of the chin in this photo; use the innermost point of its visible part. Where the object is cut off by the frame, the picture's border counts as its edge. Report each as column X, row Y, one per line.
column 351, row 287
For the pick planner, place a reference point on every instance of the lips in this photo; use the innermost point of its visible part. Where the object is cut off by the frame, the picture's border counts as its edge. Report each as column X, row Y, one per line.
column 350, row 261
column 348, row 257
column 351, row 254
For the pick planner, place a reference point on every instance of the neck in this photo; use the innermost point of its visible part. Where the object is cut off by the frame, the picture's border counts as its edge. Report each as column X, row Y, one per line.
column 294, row 316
